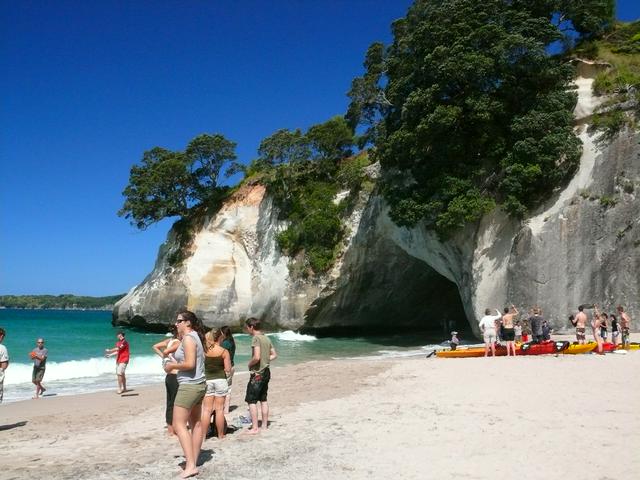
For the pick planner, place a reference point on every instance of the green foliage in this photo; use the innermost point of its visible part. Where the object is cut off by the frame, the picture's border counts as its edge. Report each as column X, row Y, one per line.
column 351, row 171
column 284, row 146
column 315, row 225
column 621, row 82
column 207, row 155
column 607, row 201
column 303, row 173
column 157, row 189
column 331, row 140
column 168, row 183
column 66, row 301
column 476, row 113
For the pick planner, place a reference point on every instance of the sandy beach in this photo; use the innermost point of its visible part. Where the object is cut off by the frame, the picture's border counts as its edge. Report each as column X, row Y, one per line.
column 528, row 417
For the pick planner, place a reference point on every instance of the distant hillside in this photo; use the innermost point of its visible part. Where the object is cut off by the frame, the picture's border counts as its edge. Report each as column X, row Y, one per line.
column 66, row 301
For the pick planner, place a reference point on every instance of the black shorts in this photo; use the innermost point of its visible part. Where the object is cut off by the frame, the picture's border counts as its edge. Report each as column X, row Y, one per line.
column 258, row 386
column 508, row 334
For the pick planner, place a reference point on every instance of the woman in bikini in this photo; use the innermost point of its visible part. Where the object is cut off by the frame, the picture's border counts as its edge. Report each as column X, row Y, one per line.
column 217, row 366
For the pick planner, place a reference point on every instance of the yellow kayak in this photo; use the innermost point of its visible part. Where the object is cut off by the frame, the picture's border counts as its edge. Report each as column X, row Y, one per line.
column 575, row 348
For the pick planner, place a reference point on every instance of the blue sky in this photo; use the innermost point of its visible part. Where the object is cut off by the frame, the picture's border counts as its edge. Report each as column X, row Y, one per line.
column 88, row 86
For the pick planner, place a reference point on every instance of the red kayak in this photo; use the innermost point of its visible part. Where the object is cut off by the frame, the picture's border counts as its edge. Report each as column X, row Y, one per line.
column 542, row 348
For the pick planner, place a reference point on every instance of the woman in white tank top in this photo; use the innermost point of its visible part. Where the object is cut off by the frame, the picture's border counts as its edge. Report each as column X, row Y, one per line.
column 187, row 407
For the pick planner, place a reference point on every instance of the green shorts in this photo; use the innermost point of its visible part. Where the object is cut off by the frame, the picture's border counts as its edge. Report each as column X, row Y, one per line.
column 37, row 375
column 190, row 395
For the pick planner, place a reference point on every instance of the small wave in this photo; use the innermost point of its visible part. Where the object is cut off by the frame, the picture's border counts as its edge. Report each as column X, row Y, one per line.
column 92, row 367
column 291, row 336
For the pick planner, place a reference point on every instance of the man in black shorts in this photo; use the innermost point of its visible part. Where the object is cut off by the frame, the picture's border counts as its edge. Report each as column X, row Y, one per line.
column 262, row 353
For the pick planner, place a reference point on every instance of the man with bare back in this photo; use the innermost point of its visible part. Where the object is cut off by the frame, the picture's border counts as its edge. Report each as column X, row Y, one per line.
column 581, row 325
column 625, row 324
column 508, row 334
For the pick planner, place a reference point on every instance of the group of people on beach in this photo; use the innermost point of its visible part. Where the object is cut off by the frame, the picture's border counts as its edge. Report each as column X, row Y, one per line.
column 200, row 367
column 504, row 327
column 39, row 358
column 600, row 324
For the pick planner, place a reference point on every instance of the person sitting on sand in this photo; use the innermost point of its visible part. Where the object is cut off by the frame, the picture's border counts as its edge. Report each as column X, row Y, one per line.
column 262, row 354
column 39, row 357
column 165, row 349
column 508, row 332
column 217, row 366
column 625, row 324
column 121, row 350
column 488, row 328
column 581, row 325
column 187, row 407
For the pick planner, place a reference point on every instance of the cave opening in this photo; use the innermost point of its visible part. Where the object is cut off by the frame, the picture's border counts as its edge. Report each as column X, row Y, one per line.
column 390, row 293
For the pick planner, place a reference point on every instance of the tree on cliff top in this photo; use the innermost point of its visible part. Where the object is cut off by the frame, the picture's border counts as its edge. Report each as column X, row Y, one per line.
column 168, row 183
column 473, row 109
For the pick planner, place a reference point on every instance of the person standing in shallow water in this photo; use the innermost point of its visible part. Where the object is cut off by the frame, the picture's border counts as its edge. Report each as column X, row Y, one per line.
column 39, row 357
column 262, row 354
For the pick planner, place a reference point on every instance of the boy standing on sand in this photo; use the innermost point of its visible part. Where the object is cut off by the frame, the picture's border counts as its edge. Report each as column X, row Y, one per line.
column 262, row 353
column 581, row 324
column 4, row 362
column 122, row 360
column 39, row 357
column 625, row 323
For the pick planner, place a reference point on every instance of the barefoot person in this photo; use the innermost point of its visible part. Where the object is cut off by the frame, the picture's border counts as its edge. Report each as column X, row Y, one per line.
column 187, row 408
column 262, row 353
column 165, row 349
column 625, row 324
column 4, row 362
column 217, row 366
column 488, row 327
column 121, row 350
column 39, row 357
column 581, row 325
column 509, row 333
column 595, row 326
column 230, row 344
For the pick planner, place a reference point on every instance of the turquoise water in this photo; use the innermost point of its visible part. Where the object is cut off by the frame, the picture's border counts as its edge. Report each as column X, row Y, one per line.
column 76, row 341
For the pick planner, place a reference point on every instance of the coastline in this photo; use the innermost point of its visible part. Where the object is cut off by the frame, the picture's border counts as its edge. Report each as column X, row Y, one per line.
column 400, row 417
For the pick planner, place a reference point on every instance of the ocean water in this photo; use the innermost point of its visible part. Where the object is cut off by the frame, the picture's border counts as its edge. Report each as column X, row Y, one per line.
column 76, row 341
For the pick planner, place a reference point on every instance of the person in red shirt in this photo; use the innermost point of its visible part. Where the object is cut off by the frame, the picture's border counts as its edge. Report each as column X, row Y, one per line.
column 122, row 360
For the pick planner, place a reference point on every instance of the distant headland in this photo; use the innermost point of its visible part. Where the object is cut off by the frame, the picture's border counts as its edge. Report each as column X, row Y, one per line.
column 63, row 302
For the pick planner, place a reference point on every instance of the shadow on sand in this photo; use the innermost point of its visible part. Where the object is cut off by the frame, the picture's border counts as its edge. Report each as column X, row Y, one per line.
column 13, row 425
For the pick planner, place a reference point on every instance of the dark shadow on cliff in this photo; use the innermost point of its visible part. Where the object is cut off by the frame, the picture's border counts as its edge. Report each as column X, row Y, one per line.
column 383, row 291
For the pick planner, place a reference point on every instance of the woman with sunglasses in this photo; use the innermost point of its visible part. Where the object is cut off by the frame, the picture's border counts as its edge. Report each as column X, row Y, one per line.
column 187, row 407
